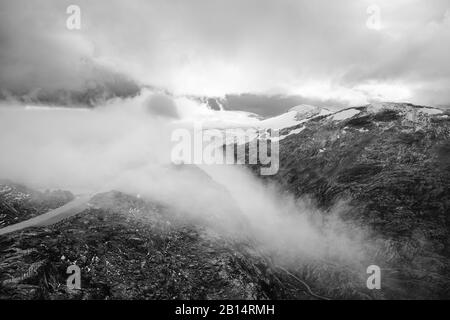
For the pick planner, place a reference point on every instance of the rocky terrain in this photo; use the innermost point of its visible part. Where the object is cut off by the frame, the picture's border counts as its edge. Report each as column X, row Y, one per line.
column 390, row 163
column 387, row 165
column 128, row 248
column 131, row 248
column 19, row 203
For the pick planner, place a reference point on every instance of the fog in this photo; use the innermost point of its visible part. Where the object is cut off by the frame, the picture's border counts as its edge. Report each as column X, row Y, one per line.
column 125, row 146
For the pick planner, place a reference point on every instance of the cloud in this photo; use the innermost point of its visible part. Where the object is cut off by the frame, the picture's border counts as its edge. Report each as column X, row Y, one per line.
column 319, row 50
column 42, row 60
column 120, row 146
column 162, row 105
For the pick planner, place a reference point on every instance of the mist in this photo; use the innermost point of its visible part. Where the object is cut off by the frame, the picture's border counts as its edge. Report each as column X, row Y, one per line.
column 125, row 145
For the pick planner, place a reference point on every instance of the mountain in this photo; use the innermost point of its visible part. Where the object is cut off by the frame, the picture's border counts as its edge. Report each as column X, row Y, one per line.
column 305, row 111
column 385, row 168
column 19, row 202
column 293, row 117
column 266, row 105
column 283, row 122
column 389, row 163
column 133, row 248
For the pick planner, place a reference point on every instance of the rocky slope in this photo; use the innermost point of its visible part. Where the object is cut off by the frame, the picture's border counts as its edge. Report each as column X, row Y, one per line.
column 19, row 203
column 390, row 163
column 387, row 165
column 128, row 248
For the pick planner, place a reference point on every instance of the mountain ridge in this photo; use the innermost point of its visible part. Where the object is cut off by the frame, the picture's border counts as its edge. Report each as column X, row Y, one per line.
column 390, row 163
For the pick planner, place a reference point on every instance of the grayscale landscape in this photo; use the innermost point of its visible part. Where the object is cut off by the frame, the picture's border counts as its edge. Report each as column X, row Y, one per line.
column 224, row 150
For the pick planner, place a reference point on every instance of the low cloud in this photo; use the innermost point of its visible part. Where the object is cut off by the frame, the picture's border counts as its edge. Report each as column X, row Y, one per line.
column 162, row 105
column 122, row 146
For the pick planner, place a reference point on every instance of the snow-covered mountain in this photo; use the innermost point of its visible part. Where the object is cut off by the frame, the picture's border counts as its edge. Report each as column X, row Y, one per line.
column 302, row 114
column 296, row 119
column 290, row 119
column 293, row 117
column 390, row 163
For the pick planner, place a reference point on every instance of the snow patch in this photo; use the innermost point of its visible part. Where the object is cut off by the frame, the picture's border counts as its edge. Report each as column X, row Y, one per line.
column 295, row 116
column 305, row 111
column 430, row 111
column 345, row 114
column 286, row 120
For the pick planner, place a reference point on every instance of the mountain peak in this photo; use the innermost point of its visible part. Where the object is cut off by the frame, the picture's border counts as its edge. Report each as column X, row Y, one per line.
column 305, row 111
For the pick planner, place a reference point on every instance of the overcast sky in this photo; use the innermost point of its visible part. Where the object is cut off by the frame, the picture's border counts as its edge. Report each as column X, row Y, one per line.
column 321, row 50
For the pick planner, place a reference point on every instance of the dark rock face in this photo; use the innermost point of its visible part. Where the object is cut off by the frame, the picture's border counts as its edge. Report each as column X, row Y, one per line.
column 394, row 172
